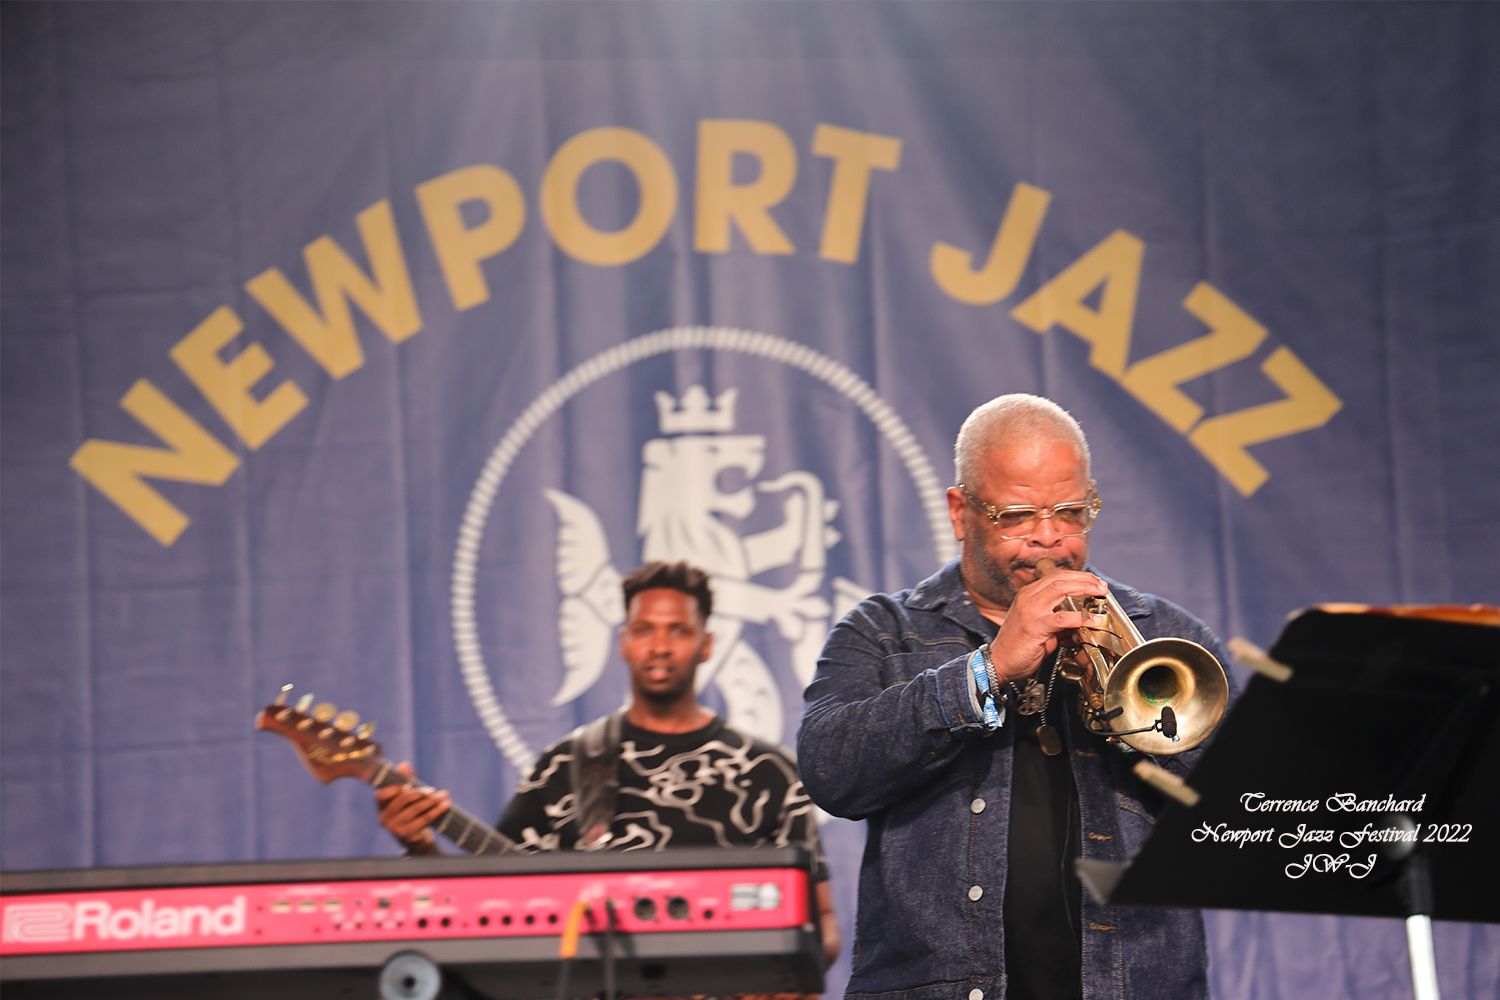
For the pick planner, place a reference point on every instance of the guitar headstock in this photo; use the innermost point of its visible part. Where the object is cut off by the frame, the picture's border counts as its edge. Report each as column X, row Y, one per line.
column 331, row 743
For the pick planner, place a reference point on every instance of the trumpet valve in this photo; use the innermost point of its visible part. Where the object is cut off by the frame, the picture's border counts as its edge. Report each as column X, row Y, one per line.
column 1071, row 664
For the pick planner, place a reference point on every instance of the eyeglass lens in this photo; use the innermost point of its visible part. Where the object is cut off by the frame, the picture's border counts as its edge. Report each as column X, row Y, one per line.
column 1068, row 519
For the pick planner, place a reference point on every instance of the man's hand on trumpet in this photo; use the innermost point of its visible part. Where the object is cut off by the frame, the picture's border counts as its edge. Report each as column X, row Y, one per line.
column 1033, row 627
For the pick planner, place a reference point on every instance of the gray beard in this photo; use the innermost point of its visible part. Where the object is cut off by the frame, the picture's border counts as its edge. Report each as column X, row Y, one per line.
column 995, row 581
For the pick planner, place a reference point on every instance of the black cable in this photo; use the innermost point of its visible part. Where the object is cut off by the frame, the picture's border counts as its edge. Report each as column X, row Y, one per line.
column 1158, row 726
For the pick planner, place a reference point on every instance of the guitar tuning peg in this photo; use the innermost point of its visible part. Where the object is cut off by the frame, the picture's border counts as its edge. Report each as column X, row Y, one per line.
column 285, row 690
column 303, row 702
column 325, row 711
column 346, row 721
column 365, row 730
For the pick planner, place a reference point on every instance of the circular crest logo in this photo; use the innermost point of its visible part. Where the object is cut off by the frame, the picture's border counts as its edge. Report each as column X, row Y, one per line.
column 789, row 548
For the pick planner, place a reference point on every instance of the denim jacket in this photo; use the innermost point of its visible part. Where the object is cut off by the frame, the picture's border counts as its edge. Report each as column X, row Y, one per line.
column 890, row 734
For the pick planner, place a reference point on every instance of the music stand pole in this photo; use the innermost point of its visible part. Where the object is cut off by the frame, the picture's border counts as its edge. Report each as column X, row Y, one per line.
column 1424, row 984
column 1417, row 888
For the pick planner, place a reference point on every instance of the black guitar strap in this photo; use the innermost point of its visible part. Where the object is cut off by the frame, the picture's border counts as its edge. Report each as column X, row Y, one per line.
column 595, row 771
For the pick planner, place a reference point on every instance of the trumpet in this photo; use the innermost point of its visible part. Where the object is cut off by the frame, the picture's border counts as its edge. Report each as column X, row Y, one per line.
column 1164, row 696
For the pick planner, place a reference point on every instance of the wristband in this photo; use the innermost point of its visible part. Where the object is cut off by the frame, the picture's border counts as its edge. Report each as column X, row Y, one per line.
column 981, row 670
column 989, row 666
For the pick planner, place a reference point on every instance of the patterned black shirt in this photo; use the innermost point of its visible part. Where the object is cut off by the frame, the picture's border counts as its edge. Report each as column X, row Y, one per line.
column 711, row 787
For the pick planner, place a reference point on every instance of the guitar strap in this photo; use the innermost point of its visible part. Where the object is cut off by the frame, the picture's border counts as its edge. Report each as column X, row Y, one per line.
column 595, row 770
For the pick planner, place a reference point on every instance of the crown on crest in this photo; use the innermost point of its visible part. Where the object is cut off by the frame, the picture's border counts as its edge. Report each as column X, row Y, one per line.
column 695, row 414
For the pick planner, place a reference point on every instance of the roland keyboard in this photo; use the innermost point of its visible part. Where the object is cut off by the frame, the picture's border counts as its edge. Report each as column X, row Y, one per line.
column 674, row 923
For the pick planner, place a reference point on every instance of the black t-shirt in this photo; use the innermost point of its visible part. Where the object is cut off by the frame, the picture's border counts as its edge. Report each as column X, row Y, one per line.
column 713, row 787
column 1043, row 898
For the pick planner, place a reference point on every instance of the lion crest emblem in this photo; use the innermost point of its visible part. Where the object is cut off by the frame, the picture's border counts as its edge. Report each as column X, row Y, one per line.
column 685, row 515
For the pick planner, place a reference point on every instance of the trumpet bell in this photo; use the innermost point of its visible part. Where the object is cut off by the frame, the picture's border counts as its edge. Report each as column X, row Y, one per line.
column 1167, row 673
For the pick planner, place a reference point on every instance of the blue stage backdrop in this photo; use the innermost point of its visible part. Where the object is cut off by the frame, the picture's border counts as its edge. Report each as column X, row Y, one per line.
column 363, row 346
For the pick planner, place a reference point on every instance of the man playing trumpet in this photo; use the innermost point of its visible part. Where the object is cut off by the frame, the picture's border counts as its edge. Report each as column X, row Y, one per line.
column 939, row 714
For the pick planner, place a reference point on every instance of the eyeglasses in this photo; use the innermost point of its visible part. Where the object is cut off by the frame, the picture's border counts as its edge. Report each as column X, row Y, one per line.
column 1074, row 518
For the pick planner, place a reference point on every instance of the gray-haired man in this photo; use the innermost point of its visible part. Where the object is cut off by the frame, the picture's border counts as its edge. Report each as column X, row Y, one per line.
column 937, row 714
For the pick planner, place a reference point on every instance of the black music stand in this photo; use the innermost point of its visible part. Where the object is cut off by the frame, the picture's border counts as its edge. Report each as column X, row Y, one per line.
column 1378, row 709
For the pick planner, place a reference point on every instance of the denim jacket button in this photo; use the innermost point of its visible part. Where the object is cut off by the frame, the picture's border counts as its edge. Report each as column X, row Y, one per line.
column 976, row 995
column 977, row 806
column 975, row 892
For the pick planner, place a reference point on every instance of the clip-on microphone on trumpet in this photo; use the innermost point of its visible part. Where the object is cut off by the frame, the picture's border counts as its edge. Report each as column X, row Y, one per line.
column 1166, row 724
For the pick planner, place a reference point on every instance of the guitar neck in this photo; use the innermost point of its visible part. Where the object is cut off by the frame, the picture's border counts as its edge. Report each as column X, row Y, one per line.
column 464, row 829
